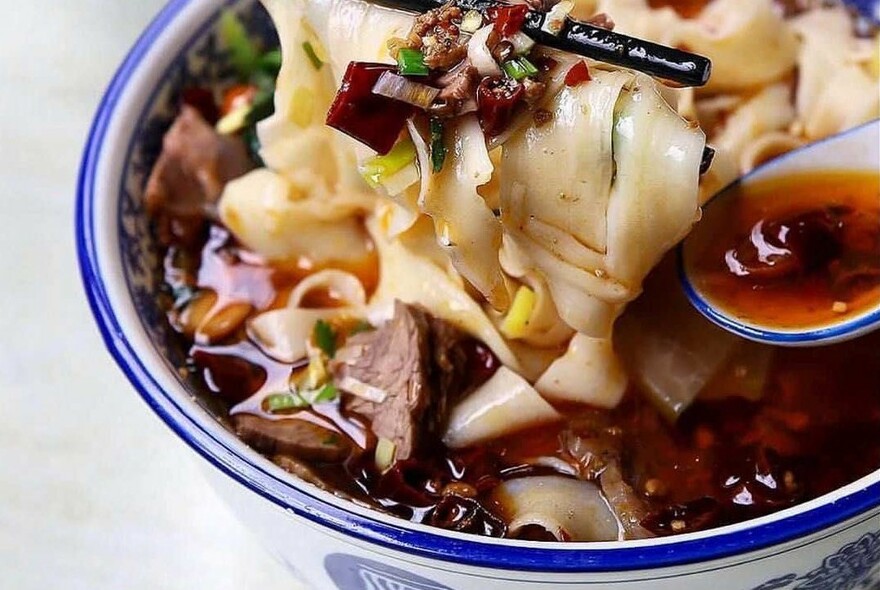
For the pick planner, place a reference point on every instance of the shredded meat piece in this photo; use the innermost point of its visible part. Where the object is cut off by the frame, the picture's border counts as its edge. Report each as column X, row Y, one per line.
column 416, row 362
column 195, row 164
column 462, row 86
column 437, row 35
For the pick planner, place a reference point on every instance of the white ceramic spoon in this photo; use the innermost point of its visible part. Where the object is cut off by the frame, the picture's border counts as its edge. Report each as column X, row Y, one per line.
column 854, row 150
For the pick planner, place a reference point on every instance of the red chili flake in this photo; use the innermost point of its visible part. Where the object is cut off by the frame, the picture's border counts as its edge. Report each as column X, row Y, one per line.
column 508, row 19
column 578, row 74
column 497, row 99
column 202, row 100
column 374, row 120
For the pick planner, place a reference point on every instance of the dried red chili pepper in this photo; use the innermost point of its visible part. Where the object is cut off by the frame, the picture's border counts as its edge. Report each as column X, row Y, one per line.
column 578, row 74
column 374, row 120
column 508, row 19
column 497, row 99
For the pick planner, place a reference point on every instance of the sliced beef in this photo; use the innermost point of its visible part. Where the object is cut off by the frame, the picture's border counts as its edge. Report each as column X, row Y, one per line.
column 195, row 164
column 414, row 363
column 295, row 437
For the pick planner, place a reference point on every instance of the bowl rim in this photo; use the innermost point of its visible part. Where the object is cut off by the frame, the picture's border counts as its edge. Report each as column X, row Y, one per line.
column 399, row 535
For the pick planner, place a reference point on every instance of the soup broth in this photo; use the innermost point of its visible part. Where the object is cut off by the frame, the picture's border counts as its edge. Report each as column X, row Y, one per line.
column 797, row 251
column 814, row 427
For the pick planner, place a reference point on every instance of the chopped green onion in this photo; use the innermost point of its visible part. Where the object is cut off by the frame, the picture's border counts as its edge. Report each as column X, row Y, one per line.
column 519, row 68
column 325, row 338
column 438, row 147
column 379, row 168
column 471, row 21
column 312, row 55
column 411, row 62
column 530, row 68
column 517, row 320
column 279, row 402
column 385, row 451
column 242, row 50
column 328, row 393
column 270, row 63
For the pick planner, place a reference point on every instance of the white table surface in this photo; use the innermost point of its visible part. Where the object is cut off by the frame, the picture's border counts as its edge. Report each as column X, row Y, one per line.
column 95, row 492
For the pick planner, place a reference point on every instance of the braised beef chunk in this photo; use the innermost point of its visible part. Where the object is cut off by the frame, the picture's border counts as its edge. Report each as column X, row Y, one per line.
column 195, row 164
column 294, row 436
column 414, row 364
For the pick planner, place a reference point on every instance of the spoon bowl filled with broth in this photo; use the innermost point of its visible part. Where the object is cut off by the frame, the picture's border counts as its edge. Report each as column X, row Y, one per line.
column 790, row 254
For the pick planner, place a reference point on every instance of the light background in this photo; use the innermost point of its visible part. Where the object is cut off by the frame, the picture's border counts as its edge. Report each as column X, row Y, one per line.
column 95, row 492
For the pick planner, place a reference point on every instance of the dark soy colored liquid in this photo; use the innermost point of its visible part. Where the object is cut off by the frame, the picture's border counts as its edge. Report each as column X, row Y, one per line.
column 816, row 427
column 799, row 251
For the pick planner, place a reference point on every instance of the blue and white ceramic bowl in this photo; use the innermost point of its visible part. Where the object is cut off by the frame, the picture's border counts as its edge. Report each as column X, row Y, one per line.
column 829, row 543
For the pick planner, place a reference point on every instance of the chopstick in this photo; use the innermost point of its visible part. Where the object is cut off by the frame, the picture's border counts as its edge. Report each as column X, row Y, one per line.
column 677, row 66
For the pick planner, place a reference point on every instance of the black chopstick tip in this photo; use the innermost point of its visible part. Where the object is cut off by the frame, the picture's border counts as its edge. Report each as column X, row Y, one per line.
column 706, row 71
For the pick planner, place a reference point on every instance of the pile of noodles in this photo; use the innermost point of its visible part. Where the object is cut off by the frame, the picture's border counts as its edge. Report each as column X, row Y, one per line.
column 579, row 210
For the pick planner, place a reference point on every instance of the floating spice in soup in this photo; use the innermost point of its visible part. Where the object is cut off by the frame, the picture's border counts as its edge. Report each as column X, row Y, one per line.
column 793, row 252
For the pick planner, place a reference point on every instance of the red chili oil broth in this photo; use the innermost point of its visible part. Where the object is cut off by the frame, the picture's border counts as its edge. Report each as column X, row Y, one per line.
column 798, row 251
column 816, row 428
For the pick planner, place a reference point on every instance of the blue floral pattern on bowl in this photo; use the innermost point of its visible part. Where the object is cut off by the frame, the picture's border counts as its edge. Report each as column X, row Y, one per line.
column 855, row 566
column 354, row 573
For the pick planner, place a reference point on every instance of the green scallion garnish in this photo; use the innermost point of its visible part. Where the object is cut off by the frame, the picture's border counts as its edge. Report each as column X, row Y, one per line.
column 270, row 62
column 279, row 402
column 411, row 62
column 438, row 147
column 379, row 168
column 325, row 338
column 243, row 52
column 312, row 55
column 519, row 68
column 328, row 393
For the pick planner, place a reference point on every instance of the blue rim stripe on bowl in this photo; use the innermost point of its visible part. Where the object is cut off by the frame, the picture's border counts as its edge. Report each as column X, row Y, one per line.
column 236, row 463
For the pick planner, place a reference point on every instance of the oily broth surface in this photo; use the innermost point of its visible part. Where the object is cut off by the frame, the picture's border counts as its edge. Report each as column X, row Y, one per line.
column 845, row 285
column 816, row 427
